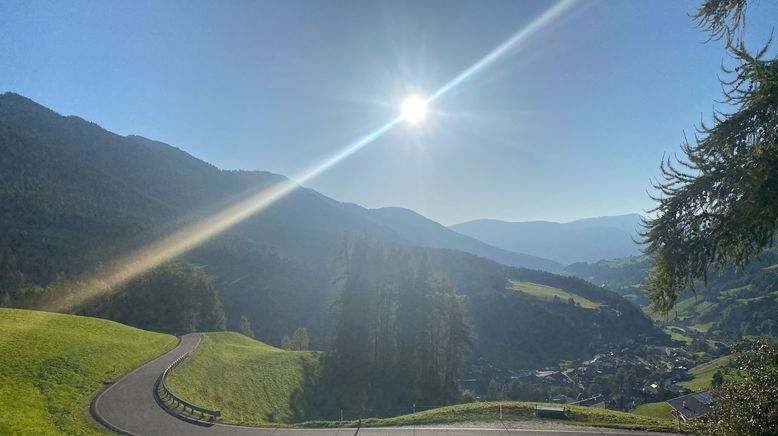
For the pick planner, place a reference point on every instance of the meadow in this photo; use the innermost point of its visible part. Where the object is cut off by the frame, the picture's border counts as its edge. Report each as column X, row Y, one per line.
column 54, row 364
column 549, row 292
column 703, row 374
column 250, row 382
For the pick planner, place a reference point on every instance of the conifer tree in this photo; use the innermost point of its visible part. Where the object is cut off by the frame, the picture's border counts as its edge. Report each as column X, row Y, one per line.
column 719, row 205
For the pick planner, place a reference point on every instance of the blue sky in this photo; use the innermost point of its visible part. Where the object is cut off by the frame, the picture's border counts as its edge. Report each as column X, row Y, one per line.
column 571, row 124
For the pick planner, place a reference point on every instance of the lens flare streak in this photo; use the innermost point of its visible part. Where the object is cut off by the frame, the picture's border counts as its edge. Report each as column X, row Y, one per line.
column 509, row 44
column 195, row 234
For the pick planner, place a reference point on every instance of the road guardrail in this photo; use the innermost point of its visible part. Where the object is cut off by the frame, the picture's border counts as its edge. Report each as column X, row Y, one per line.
column 177, row 406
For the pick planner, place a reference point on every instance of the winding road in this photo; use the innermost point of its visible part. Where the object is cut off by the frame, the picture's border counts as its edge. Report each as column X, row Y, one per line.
column 128, row 406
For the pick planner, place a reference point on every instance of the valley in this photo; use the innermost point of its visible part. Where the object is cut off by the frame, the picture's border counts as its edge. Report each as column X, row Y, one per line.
column 278, row 272
column 388, row 218
column 277, row 269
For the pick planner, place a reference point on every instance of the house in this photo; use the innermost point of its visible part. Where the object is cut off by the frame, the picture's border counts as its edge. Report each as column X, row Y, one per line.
column 692, row 405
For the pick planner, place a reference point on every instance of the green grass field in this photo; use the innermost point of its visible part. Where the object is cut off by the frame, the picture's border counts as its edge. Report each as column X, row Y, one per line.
column 734, row 292
column 654, row 410
column 52, row 365
column 675, row 335
column 703, row 374
column 514, row 411
column 701, row 327
column 250, row 382
column 549, row 292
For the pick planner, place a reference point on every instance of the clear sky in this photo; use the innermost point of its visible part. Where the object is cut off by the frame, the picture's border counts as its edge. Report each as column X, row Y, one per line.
column 570, row 124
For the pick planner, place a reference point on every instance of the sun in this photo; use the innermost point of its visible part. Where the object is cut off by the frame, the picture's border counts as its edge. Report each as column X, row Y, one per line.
column 414, row 109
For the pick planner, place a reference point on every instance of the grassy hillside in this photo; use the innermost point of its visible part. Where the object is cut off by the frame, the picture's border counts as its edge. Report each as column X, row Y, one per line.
column 703, row 374
column 54, row 364
column 519, row 411
column 731, row 305
column 549, row 292
column 655, row 410
column 248, row 381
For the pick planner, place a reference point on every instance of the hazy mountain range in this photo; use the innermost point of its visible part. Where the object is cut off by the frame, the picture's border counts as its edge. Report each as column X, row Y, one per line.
column 586, row 240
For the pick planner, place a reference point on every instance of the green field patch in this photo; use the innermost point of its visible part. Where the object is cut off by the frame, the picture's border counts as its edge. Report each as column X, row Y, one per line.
column 686, row 305
column 704, row 307
column 513, row 411
column 52, row 365
column 549, row 292
column 734, row 292
column 753, row 299
column 703, row 374
column 250, row 382
column 701, row 327
column 655, row 410
column 690, row 308
column 677, row 334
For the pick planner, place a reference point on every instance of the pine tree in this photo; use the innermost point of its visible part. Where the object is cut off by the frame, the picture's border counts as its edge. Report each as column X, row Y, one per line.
column 401, row 334
column 719, row 205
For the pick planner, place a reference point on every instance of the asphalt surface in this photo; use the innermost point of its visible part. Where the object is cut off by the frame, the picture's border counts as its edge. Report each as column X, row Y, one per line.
column 128, row 406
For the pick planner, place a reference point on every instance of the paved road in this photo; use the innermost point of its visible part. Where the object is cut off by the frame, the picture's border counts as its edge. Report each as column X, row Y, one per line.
column 129, row 405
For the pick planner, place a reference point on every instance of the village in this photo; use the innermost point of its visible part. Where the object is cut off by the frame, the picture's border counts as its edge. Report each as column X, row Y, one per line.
column 618, row 377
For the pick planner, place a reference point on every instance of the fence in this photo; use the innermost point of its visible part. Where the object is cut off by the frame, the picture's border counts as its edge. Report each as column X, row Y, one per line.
column 172, row 403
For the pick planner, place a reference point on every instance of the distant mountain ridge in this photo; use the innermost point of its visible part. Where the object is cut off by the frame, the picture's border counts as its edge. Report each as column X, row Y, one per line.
column 585, row 240
column 424, row 232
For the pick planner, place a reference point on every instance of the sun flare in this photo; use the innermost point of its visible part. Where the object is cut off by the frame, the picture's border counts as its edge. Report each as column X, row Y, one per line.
column 414, row 109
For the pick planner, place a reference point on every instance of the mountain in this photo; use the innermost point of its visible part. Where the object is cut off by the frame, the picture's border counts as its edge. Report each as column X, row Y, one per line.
column 427, row 233
column 74, row 196
column 586, row 240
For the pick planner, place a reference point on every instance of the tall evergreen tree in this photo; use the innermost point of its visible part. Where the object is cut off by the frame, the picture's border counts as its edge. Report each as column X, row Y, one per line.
column 719, row 205
column 401, row 334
